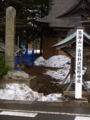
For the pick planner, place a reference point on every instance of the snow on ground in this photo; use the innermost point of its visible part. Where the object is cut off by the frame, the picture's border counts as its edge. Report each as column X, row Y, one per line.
column 53, row 98
column 61, row 62
column 58, row 61
column 14, row 91
column 59, row 74
column 39, row 61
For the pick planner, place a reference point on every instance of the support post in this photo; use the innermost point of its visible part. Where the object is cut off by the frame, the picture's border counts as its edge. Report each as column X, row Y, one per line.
column 72, row 69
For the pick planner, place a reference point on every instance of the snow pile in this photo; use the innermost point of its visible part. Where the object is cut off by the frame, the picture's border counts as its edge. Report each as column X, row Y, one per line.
column 58, row 61
column 14, row 91
column 59, row 74
column 39, row 61
column 53, row 98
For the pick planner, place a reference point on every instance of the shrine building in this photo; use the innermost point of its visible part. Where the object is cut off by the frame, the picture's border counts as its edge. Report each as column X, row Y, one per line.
column 60, row 24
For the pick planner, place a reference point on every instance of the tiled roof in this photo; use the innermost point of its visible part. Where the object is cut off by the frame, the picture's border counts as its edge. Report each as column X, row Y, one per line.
column 70, row 9
column 58, row 7
column 65, row 22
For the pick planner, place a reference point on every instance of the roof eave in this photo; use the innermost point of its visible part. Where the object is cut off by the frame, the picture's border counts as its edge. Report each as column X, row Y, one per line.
column 69, row 40
column 66, row 40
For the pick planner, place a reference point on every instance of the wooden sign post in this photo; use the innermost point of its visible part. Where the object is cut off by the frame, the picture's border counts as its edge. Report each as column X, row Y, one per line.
column 79, row 63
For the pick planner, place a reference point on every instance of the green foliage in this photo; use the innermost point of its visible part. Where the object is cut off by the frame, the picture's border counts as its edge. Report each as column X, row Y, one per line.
column 0, row 39
column 27, row 12
column 3, row 68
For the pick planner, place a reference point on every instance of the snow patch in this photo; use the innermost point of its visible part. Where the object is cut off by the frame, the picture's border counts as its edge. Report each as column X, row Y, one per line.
column 59, row 74
column 39, row 61
column 88, row 84
column 53, row 98
column 58, row 61
column 14, row 91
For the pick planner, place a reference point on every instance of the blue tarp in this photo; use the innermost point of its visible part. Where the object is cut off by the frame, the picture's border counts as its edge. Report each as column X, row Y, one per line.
column 17, row 59
column 27, row 58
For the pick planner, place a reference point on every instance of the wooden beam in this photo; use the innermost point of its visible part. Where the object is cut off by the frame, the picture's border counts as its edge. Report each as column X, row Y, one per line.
column 72, row 68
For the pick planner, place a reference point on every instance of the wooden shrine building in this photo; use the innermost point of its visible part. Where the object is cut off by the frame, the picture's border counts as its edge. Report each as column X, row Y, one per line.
column 62, row 20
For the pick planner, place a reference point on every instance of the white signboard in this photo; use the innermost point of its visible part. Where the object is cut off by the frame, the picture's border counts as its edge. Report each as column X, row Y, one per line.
column 79, row 61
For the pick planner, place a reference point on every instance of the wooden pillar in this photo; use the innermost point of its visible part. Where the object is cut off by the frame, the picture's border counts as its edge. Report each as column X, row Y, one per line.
column 8, row 3
column 72, row 68
column 27, row 38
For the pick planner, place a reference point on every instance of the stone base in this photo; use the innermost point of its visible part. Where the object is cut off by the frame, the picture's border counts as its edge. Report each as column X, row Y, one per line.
column 30, row 82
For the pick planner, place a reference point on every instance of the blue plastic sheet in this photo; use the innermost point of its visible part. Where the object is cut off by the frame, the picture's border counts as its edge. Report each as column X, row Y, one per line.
column 27, row 58
column 17, row 59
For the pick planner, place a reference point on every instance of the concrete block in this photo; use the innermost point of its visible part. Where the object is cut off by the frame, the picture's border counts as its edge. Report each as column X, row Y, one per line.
column 85, row 104
column 14, row 74
column 30, row 82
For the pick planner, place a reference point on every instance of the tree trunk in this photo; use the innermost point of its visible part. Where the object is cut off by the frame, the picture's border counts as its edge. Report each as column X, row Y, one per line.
column 27, row 39
column 41, row 43
column 8, row 3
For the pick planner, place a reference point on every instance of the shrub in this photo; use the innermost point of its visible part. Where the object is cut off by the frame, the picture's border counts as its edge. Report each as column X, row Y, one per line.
column 3, row 69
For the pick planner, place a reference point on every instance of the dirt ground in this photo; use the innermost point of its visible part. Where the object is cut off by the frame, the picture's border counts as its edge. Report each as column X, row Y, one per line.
column 49, row 85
